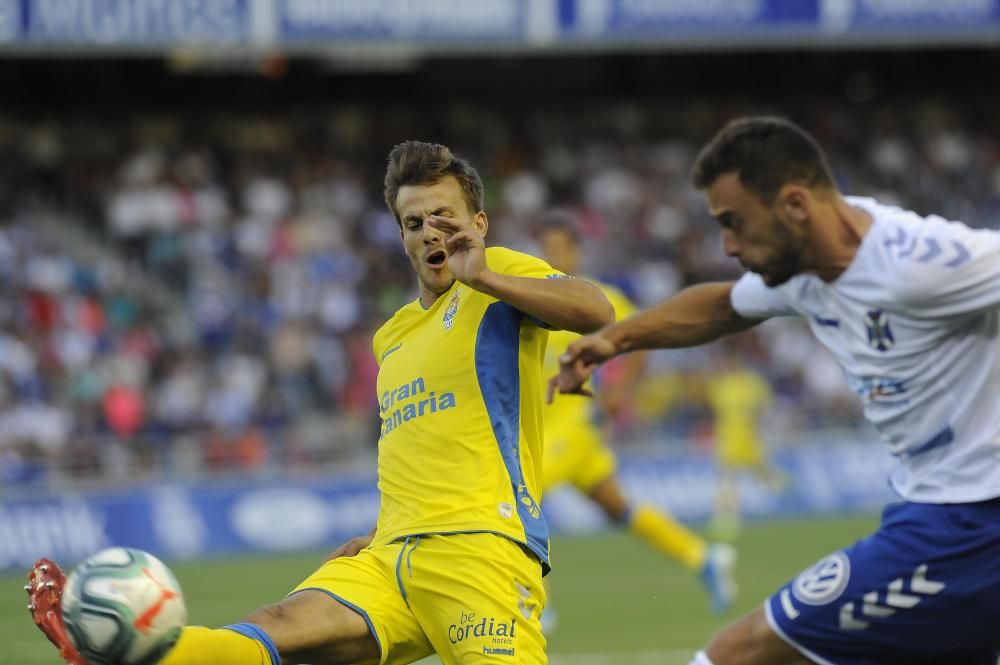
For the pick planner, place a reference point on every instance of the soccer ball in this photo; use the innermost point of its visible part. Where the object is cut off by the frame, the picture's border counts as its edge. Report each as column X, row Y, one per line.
column 123, row 607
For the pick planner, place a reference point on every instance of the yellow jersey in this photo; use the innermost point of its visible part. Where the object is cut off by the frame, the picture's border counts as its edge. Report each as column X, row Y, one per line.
column 576, row 409
column 738, row 398
column 460, row 397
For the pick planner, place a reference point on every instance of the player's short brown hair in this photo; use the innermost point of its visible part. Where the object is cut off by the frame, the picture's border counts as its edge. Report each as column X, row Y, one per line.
column 421, row 163
column 766, row 153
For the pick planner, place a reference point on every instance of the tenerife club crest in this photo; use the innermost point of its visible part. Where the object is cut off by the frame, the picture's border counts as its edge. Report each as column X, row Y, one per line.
column 879, row 333
column 451, row 310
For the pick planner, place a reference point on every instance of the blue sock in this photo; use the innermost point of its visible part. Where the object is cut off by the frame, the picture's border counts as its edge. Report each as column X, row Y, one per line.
column 255, row 633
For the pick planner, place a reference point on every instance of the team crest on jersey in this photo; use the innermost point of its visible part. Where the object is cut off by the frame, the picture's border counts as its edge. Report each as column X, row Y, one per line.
column 879, row 333
column 451, row 310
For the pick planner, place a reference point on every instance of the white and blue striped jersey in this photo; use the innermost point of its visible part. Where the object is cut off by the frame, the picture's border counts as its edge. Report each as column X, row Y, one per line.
column 913, row 321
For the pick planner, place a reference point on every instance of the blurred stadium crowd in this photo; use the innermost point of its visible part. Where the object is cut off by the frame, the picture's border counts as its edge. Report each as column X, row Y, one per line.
column 195, row 293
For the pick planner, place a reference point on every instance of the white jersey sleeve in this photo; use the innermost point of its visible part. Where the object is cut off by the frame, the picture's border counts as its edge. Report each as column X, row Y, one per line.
column 752, row 299
column 946, row 269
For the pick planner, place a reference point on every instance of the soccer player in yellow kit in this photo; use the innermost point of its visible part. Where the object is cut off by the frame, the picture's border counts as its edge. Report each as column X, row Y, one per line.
column 738, row 397
column 454, row 564
column 577, row 451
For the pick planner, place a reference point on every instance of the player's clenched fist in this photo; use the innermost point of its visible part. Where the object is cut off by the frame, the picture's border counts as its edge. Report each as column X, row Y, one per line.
column 576, row 365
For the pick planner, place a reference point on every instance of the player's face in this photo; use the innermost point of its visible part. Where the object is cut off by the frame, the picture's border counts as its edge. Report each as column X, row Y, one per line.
column 762, row 238
column 424, row 244
column 559, row 250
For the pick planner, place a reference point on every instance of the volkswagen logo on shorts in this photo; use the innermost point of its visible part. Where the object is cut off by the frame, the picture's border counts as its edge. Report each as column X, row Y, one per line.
column 823, row 582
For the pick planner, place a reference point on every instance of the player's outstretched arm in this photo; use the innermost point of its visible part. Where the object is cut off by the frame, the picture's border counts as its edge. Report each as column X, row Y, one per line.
column 697, row 315
column 694, row 316
column 563, row 304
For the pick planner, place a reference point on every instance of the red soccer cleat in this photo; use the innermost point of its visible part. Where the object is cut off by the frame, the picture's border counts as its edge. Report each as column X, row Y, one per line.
column 45, row 589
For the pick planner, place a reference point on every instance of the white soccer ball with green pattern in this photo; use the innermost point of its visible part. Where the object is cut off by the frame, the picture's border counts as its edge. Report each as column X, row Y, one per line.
column 123, row 607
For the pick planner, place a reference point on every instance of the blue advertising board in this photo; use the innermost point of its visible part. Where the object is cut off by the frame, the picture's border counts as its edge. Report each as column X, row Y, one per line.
column 187, row 521
column 483, row 24
column 124, row 22
column 202, row 520
column 10, row 20
column 597, row 22
column 909, row 16
column 416, row 20
column 686, row 18
column 834, row 478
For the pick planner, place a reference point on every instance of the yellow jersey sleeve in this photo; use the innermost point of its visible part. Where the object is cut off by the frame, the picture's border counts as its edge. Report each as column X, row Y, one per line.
column 517, row 264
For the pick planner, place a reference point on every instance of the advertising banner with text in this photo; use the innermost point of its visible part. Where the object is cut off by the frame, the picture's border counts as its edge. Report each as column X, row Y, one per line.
column 210, row 519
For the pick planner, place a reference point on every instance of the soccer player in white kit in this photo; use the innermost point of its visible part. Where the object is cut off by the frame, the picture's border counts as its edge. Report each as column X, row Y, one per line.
column 910, row 308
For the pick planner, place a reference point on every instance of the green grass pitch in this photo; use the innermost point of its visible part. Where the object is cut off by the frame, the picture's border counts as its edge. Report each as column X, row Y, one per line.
column 617, row 601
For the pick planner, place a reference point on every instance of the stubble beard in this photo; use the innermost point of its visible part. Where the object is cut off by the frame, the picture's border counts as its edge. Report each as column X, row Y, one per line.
column 787, row 262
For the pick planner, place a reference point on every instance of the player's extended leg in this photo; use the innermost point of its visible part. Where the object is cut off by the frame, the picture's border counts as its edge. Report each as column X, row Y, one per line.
column 727, row 517
column 309, row 626
column 749, row 641
column 652, row 526
column 920, row 590
column 664, row 534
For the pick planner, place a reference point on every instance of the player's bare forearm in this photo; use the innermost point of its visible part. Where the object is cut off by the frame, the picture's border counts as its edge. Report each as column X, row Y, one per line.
column 694, row 316
column 565, row 304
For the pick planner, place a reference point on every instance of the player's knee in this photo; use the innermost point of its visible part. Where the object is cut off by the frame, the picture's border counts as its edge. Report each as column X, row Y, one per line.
column 610, row 499
column 618, row 514
column 750, row 641
column 269, row 617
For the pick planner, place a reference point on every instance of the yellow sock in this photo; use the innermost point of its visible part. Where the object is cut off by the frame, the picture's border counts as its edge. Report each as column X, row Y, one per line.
column 665, row 535
column 219, row 646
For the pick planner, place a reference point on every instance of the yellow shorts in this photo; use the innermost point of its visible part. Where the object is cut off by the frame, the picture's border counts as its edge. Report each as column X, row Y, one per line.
column 576, row 454
column 470, row 597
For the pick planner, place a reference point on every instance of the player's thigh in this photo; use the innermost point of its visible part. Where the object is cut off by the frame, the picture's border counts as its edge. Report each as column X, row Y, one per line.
column 479, row 598
column 312, row 625
column 751, row 641
column 349, row 610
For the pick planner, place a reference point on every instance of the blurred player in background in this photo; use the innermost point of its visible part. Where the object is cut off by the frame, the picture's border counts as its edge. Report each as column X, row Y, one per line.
column 910, row 308
column 738, row 397
column 455, row 562
column 577, row 431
